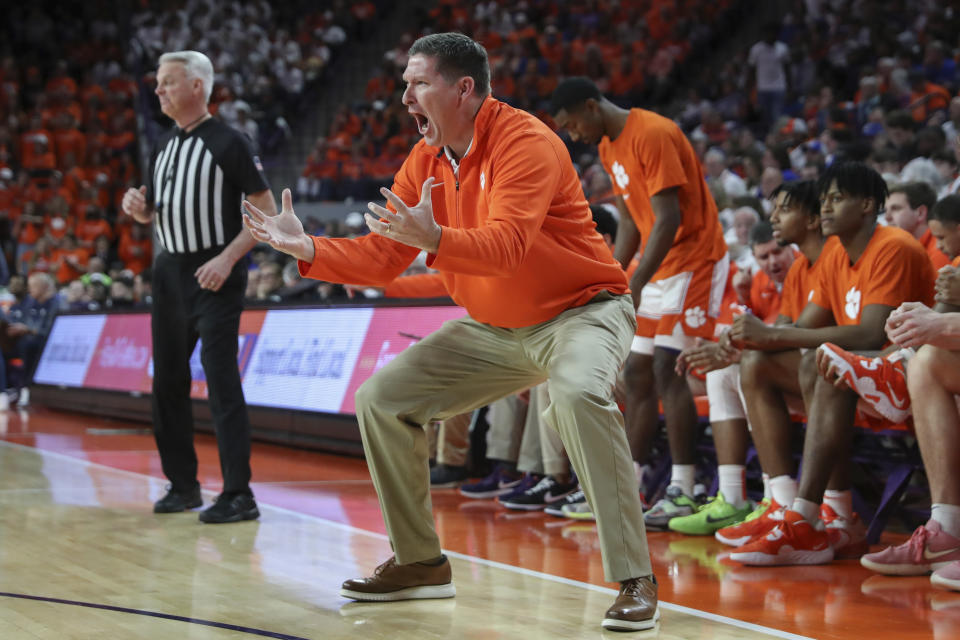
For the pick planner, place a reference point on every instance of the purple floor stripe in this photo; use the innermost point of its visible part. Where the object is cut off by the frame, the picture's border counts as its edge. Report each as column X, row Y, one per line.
column 154, row 614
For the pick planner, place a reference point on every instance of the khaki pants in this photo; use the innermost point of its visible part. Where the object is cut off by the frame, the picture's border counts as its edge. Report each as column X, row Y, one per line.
column 449, row 440
column 543, row 438
column 465, row 365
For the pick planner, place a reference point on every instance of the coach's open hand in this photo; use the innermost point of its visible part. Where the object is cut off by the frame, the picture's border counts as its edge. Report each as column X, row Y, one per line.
column 413, row 226
column 283, row 232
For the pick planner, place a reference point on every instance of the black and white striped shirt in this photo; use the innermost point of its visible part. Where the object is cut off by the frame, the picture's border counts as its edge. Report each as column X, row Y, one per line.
column 197, row 183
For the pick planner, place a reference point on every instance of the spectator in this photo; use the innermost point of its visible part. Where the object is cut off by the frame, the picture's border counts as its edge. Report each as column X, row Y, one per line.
column 907, row 207
column 29, row 322
column 769, row 58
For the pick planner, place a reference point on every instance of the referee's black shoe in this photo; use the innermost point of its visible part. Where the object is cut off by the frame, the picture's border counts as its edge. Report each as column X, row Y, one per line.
column 176, row 501
column 231, row 507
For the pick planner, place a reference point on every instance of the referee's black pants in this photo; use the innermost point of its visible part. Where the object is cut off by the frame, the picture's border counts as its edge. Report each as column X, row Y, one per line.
column 182, row 312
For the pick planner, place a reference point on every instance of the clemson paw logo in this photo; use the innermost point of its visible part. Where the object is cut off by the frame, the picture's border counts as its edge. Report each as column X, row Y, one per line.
column 694, row 317
column 620, row 175
column 852, row 308
column 483, row 181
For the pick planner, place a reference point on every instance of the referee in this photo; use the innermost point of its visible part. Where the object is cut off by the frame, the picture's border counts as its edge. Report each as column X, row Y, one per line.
column 199, row 173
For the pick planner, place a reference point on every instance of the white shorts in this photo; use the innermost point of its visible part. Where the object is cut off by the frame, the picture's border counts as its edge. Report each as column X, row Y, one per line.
column 674, row 311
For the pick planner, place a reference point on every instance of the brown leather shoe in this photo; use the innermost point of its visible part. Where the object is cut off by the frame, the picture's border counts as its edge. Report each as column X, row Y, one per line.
column 392, row 581
column 635, row 608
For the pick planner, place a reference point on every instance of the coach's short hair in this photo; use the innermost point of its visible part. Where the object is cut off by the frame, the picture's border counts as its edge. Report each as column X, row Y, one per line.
column 456, row 56
column 197, row 65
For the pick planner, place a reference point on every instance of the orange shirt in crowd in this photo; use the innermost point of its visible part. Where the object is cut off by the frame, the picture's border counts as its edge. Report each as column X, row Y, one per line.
column 652, row 154
column 937, row 257
column 518, row 244
column 932, row 98
column 31, row 228
column 421, row 285
column 893, row 269
column 765, row 297
column 66, row 272
column 136, row 255
column 800, row 283
column 70, row 141
column 89, row 230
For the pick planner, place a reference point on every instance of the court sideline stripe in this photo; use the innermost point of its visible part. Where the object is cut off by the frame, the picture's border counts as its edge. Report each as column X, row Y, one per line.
column 155, row 614
column 706, row 615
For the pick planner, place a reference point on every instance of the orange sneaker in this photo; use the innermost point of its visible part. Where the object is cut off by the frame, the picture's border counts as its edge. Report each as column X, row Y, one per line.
column 793, row 541
column 847, row 537
column 880, row 382
column 767, row 515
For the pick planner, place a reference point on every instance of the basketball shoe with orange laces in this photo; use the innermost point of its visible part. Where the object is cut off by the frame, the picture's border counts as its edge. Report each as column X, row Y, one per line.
column 880, row 382
column 793, row 541
column 765, row 517
column 848, row 536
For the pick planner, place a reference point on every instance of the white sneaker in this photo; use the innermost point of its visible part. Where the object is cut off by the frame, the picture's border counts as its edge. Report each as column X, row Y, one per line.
column 24, row 399
column 4, row 401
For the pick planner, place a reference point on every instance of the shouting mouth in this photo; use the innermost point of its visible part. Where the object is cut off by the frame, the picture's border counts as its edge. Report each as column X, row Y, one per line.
column 422, row 123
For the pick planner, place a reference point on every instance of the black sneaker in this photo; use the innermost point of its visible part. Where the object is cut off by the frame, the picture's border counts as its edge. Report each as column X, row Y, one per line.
column 545, row 492
column 446, row 476
column 231, row 508
column 556, row 508
column 177, row 501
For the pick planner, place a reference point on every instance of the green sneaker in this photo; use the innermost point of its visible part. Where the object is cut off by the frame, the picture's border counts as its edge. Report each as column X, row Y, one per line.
column 673, row 505
column 716, row 514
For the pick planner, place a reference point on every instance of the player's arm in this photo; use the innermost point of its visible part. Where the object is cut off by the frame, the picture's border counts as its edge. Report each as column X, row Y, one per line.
column 667, row 218
column 814, row 327
column 628, row 236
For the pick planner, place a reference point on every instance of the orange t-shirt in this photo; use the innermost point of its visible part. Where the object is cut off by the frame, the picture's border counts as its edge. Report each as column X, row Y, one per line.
column 799, row 285
column 518, row 244
column 765, row 297
column 937, row 257
column 893, row 269
column 652, row 154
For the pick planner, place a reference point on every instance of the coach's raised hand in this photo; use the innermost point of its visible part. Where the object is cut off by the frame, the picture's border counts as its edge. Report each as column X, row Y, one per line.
column 410, row 225
column 283, row 232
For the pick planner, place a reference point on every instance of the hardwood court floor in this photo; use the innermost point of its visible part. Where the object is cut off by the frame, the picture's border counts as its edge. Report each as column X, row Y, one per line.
column 82, row 556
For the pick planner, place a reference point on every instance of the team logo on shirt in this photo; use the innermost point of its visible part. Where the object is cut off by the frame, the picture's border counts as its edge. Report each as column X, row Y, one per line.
column 694, row 317
column 620, row 175
column 483, row 181
column 852, row 307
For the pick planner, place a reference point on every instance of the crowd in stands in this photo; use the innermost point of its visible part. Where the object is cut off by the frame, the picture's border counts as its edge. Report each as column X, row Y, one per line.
column 73, row 94
column 267, row 57
column 634, row 50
